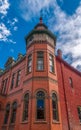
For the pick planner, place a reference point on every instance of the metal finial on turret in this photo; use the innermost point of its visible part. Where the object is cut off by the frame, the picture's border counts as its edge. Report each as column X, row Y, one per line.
column 40, row 19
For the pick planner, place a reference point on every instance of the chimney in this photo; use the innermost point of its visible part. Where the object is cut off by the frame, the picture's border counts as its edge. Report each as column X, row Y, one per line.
column 59, row 53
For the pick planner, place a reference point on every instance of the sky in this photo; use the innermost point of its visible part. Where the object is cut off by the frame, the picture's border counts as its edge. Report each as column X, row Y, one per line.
column 18, row 18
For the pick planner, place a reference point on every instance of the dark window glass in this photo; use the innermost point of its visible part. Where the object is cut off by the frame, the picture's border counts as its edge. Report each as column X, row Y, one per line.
column 18, row 77
column 13, row 114
column 79, row 113
column 40, row 97
column 70, row 82
column 26, row 104
column 7, row 114
column 4, row 85
column 29, row 69
column 40, row 60
column 51, row 63
column 12, row 82
column 55, row 107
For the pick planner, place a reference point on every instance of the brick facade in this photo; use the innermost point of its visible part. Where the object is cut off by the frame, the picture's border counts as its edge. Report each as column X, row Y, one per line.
column 40, row 80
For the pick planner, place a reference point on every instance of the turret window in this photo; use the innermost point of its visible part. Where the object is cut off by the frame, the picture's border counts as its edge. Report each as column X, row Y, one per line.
column 29, row 67
column 40, row 101
column 51, row 63
column 40, row 60
column 7, row 114
column 26, row 105
column 55, row 107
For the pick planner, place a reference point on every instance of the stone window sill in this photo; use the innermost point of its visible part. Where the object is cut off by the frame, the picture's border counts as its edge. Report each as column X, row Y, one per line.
column 52, row 73
column 11, row 124
column 55, row 122
column 24, row 122
column 40, row 70
column 40, row 122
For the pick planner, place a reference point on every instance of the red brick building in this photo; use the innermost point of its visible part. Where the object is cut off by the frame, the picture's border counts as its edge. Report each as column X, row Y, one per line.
column 40, row 91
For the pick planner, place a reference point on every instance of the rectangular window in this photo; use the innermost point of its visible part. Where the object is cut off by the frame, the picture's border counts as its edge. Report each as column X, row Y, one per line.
column 79, row 113
column 51, row 63
column 29, row 67
column 4, row 85
column 40, row 60
column 18, row 78
column 12, row 82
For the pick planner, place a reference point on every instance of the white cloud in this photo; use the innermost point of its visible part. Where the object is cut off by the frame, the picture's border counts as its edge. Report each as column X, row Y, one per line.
column 69, row 38
column 15, row 28
column 12, row 23
column 4, row 32
column 68, row 27
column 4, row 6
column 32, row 8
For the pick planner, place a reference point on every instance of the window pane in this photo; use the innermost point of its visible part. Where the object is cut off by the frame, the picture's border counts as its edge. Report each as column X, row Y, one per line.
column 26, row 104
column 7, row 114
column 40, row 60
column 18, row 77
column 13, row 115
column 51, row 63
column 40, row 105
column 55, row 107
column 29, row 63
column 12, row 82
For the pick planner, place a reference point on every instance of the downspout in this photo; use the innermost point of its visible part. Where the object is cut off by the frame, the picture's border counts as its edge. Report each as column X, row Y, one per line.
column 65, row 97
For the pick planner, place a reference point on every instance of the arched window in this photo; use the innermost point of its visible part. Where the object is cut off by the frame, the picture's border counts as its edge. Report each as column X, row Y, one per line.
column 55, row 107
column 40, row 101
column 26, row 104
column 7, row 114
column 13, row 114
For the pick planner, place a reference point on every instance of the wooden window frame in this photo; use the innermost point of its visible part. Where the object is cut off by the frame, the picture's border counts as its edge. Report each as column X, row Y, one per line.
column 7, row 114
column 13, row 113
column 55, row 110
column 39, row 98
column 29, row 64
column 40, row 57
column 51, row 63
column 25, row 107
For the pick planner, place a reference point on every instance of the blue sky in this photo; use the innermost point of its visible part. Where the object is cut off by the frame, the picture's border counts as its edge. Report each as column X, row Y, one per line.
column 63, row 18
